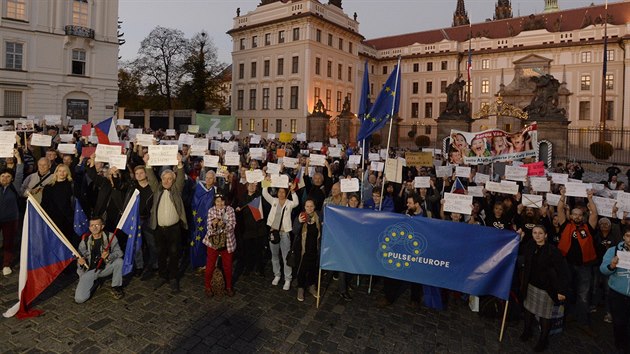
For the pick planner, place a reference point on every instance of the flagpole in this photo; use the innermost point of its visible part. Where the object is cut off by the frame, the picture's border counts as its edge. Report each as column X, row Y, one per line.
column 52, row 225
column 507, row 302
column 319, row 286
column 389, row 137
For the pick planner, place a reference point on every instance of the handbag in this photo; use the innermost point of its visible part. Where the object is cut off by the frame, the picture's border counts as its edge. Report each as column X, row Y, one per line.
column 291, row 259
column 274, row 235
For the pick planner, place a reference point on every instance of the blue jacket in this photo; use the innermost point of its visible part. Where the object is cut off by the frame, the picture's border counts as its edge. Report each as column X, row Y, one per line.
column 9, row 197
column 619, row 278
column 388, row 204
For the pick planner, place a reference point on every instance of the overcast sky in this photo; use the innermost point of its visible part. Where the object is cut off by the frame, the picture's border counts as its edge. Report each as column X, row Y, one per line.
column 377, row 18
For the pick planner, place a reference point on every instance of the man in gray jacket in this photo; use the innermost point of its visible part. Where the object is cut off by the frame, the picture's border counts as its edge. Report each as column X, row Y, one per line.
column 168, row 216
column 101, row 256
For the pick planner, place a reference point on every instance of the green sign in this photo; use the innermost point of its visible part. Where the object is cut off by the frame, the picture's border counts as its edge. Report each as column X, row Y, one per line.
column 207, row 122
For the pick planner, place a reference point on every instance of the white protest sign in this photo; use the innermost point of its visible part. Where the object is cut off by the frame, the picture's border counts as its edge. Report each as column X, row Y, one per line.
column 301, row 137
column 257, row 153
column 374, row 156
column 383, row 154
column 171, row 132
column 254, row 139
column 41, row 140
column 104, row 151
column 118, row 161
column 604, row 206
column 271, row 136
column 186, row 139
column 552, row 199
column 193, row 129
column 506, row 188
column 273, row 168
column 532, row 200
column 575, row 189
column 132, row 133
column 333, row 141
column 481, row 178
column 66, row 138
column 354, row 159
column 254, row 176
column 280, row 181
column 515, row 173
column 334, row 152
column 458, row 203
column 231, row 146
column 540, row 184
column 7, row 137
column 52, row 119
column 315, row 145
column 210, row 161
column 6, row 149
column 144, row 139
column 232, row 159
column 123, row 122
column 462, row 171
column 290, row 162
column 624, row 260
column 559, row 178
column 443, row 171
column 422, row 182
column 377, row 166
column 393, row 170
column 317, row 160
column 475, row 191
column 623, row 200
column 93, row 139
column 162, row 155
column 68, row 149
column 199, row 147
column 349, row 185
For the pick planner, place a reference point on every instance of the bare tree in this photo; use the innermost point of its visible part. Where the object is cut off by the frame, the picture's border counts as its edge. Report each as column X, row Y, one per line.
column 160, row 60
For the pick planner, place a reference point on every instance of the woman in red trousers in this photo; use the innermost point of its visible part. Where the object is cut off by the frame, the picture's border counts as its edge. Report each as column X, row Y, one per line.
column 221, row 241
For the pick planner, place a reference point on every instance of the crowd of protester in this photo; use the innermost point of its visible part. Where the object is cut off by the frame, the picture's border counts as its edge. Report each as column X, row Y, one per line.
column 568, row 253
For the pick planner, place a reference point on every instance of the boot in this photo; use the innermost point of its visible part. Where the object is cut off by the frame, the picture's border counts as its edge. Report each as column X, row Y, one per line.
column 312, row 290
column 300, row 294
column 543, row 341
column 527, row 330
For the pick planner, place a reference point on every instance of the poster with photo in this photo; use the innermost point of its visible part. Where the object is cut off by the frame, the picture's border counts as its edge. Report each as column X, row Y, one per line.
column 492, row 145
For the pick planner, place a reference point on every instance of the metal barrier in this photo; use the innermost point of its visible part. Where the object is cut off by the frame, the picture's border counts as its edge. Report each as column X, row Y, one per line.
column 580, row 140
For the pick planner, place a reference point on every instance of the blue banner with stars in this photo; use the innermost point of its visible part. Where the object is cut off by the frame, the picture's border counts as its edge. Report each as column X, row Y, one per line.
column 130, row 224
column 473, row 259
column 387, row 102
column 203, row 199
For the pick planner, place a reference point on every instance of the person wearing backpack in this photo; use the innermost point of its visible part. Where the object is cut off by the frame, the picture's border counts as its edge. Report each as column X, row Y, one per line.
column 619, row 296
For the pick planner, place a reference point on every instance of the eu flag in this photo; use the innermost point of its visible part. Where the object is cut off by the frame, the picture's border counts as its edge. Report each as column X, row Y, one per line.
column 130, row 224
column 384, row 107
column 365, row 104
column 81, row 223
column 203, row 199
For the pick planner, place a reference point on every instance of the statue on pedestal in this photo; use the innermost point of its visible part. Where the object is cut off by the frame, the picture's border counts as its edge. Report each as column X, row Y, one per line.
column 544, row 104
column 455, row 105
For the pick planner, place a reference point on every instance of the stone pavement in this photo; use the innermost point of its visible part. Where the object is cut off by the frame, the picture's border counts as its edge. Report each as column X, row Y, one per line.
column 259, row 318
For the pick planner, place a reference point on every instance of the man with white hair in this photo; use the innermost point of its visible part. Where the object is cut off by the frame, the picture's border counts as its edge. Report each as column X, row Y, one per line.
column 168, row 216
column 35, row 182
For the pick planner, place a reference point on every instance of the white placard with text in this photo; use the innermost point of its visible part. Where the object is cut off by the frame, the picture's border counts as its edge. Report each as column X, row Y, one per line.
column 458, row 203
column 163, row 155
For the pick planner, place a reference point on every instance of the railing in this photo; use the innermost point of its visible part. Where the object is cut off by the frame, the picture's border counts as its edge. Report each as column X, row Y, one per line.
column 79, row 31
column 580, row 140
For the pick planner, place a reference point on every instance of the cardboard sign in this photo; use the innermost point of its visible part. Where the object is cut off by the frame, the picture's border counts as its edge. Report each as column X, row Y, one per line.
column 280, row 181
column 540, row 184
column 41, row 140
column 254, row 176
column 422, row 182
column 458, row 203
column 535, row 169
column 281, row 153
column 532, row 200
column 516, row 173
column 163, row 155
column 419, row 159
column 104, row 151
column 67, row 149
column 118, row 161
column 317, row 160
column 349, row 185
column 393, row 170
column 211, row 161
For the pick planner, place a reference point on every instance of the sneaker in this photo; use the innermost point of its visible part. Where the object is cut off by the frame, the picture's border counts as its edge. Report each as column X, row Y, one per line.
column 6, row 271
column 287, row 285
column 312, row 290
column 300, row 294
column 275, row 281
column 608, row 318
column 118, row 292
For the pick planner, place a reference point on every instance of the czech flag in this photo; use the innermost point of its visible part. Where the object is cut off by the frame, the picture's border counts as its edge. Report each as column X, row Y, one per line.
column 255, row 206
column 458, row 187
column 106, row 131
column 45, row 254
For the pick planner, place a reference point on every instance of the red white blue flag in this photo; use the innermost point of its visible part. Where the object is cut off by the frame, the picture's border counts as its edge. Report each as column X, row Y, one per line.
column 255, row 206
column 106, row 131
column 45, row 254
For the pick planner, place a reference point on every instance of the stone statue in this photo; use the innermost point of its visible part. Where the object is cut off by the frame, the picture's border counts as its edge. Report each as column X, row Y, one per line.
column 454, row 103
column 346, row 106
column 238, row 12
column 355, row 16
column 545, row 100
column 319, row 107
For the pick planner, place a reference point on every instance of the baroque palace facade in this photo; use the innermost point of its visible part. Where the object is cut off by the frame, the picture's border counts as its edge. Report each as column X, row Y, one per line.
column 289, row 54
column 59, row 57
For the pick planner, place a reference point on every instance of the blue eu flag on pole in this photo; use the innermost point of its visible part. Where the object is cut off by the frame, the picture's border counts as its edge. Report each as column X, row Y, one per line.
column 130, row 224
column 365, row 104
column 203, row 199
column 81, row 222
column 384, row 107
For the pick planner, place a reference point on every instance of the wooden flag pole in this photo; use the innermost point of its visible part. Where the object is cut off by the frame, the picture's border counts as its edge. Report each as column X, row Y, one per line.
column 52, row 225
column 319, row 286
column 507, row 303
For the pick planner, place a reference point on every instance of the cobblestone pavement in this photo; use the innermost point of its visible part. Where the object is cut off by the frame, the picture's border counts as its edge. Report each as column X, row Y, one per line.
column 262, row 318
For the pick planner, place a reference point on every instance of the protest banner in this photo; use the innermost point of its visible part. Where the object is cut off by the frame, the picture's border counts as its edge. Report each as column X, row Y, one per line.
column 41, row 140
column 419, row 159
column 349, row 185
column 163, row 155
column 458, row 203
column 494, row 145
column 217, row 123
